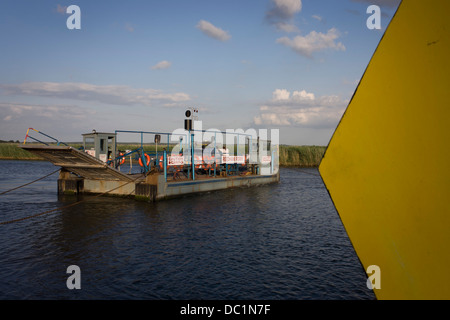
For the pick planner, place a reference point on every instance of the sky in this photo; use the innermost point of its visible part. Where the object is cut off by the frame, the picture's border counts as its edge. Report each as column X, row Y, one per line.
column 291, row 65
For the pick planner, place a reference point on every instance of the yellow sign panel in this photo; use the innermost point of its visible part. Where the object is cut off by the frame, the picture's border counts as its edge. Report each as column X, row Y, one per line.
column 387, row 167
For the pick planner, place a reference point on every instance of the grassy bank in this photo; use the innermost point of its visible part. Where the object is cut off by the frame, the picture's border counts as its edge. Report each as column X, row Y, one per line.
column 11, row 151
column 302, row 156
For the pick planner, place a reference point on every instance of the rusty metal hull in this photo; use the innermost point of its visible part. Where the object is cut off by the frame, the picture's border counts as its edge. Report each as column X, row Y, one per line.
column 156, row 188
column 175, row 189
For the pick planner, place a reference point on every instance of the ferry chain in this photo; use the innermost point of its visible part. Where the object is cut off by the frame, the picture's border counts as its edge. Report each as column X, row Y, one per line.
column 64, row 207
column 26, row 184
column 310, row 173
column 67, row 206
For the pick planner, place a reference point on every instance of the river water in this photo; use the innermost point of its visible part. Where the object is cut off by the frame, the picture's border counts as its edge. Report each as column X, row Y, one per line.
column 276, row 242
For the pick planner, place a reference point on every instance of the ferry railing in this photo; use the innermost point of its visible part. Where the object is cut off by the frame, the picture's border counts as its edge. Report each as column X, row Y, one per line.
column 187, row 145
column 141, row 155
column 157, row 154
column 228, row 167
column 44, row 134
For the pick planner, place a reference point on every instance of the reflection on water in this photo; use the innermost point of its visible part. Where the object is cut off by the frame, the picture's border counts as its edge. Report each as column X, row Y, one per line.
column 280, row 241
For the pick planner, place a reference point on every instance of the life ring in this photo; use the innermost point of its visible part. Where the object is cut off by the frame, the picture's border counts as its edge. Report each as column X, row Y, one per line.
column 122, row 160
column 146, row 157
column 161, row 163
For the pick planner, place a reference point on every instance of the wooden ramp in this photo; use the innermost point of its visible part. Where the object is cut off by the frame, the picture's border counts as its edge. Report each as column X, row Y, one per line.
column 78, row 162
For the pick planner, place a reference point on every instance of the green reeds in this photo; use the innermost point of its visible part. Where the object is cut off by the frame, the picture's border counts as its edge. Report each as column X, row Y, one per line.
column 11, row 151
column 302, row 156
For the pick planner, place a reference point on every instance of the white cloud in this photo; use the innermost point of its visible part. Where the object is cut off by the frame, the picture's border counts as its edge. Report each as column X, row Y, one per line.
column 162, row 65
column 302, row 109
column 61, row 121
column 302, row 95
column 317, row 17
column 280, row 95
column 108, row 94
column 284, row 9
column 212, row 31
column 12, row 111
column 313, row 42
column 281, row 14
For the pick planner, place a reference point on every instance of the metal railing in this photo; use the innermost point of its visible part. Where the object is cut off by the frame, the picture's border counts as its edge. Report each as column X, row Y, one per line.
column 44, row 134
column 189, row 158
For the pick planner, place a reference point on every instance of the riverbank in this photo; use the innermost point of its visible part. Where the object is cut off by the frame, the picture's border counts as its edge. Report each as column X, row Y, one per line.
column 11, row 151
column 290, row 156
column 301, row 156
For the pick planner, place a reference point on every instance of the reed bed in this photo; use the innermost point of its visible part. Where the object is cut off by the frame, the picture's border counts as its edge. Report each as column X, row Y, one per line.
column 301, row 156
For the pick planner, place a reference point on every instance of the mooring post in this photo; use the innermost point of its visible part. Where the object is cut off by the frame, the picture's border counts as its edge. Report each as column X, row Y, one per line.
column 68, row 183
column 165, row 165
column 192, row 156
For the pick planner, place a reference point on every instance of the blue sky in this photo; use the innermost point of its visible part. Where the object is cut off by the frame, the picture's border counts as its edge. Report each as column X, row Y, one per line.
column 137, row 65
